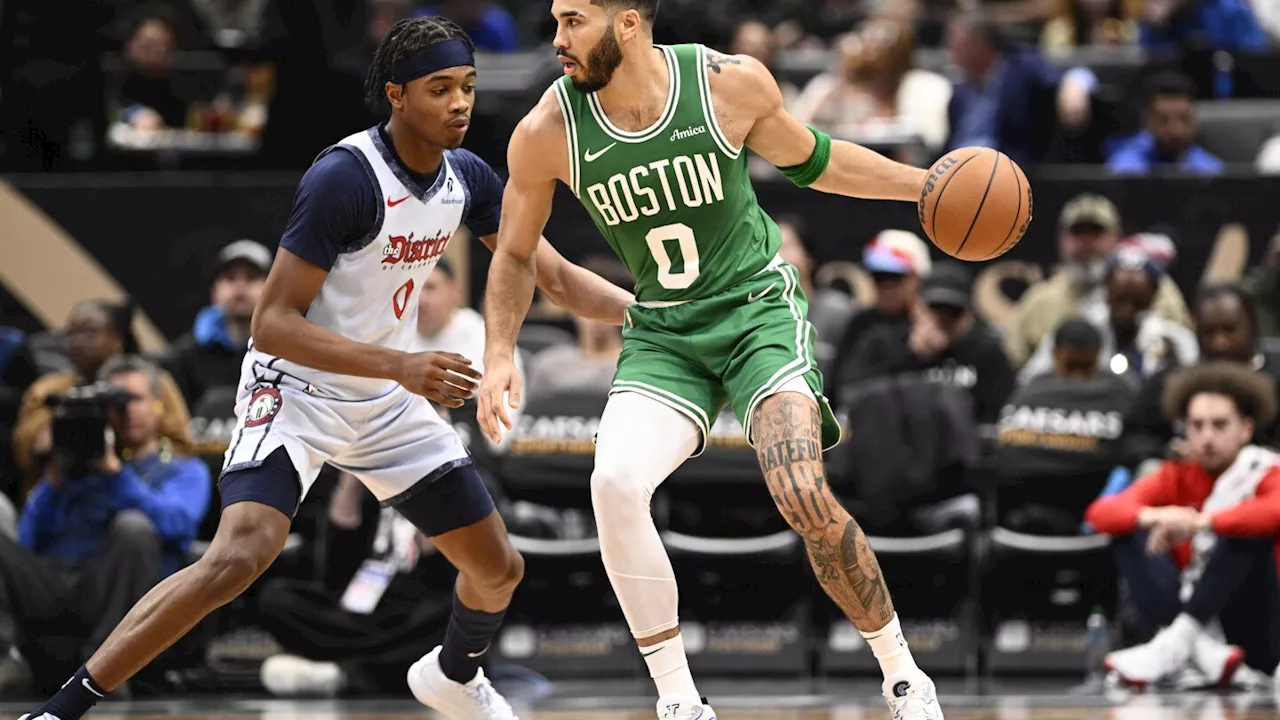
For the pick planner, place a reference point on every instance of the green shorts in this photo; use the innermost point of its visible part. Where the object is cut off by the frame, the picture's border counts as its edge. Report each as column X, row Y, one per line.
column 737, row 347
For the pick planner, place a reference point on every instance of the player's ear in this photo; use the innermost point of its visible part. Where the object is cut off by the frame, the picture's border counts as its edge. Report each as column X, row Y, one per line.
column 395, row 95
column 628, row 24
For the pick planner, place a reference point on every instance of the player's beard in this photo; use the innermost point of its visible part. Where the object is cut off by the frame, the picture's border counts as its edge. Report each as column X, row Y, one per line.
column 602, row 61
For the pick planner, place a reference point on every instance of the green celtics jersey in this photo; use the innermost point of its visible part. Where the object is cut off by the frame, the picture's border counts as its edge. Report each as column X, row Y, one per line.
column 674, row 200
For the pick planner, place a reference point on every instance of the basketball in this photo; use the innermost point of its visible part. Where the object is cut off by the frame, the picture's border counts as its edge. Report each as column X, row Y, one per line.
column 975, row 204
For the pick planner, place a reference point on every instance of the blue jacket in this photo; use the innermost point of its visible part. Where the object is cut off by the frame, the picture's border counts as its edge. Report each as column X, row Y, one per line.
column 1026, row 110
column 71, row 523
column 1222, row 24
column 1137, row 156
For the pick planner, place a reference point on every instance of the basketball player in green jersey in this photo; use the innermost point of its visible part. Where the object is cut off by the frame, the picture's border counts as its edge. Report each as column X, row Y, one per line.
column 652, row 140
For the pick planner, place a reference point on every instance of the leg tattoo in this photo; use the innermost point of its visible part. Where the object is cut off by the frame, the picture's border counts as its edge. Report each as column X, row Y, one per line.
column 787, row 430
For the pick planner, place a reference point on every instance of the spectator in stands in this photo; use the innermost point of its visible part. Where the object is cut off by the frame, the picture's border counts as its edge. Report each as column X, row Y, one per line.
column 147, row 98
column 1090, row 23
column 444, row 323
column 756, row 39
column 945, row 342
column 1263, row 284
column 490, row 25
column 1060, row 437
column 97, row 331
column 1168, row 140
column 1188, row 24
column 92, row 541
column 1225, row 332
column 897, row 260
column 1135, row 341
column 17, row 373
column 877, row 87
column 210, row 355
column 590, row 364
column 1010, row 99
column 1088, row 232
column 1197, row 541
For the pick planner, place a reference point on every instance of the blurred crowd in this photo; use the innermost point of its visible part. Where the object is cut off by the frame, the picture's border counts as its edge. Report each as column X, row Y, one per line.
column 1125, row 83
column 1105, row 400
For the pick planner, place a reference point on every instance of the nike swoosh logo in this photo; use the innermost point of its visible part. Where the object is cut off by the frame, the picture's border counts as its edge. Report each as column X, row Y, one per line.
column 478, row 654
column 392, row 203
column 651, row 652
column 756, row 296
column 592, row 157
column 85, row 682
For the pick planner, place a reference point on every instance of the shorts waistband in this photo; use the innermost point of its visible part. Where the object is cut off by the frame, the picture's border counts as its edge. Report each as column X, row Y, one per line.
column 774, row 263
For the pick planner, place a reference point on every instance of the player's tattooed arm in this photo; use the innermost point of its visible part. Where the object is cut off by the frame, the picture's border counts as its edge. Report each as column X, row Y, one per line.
column 787, row 429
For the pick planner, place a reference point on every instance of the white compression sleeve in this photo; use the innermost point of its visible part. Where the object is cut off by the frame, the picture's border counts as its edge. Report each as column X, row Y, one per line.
column 639, row 443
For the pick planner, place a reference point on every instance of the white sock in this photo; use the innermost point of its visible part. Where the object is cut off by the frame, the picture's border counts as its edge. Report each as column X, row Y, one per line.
column 1184, row 629
column 890, row 648
column 669, row 669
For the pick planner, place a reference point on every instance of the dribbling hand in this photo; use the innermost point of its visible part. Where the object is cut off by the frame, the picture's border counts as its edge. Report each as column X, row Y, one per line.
column 443, row 378
column 501, row 379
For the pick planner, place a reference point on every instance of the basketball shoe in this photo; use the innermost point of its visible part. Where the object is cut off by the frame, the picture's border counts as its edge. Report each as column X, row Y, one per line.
column 914, row 698
column 1218, row 661
column 1154, row 662
column 678, row 708
column 475, row 700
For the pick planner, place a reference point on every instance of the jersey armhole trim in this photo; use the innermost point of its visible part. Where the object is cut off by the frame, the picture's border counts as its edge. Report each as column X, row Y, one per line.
column 709, row 108
column 369, row 172
column 571, row 134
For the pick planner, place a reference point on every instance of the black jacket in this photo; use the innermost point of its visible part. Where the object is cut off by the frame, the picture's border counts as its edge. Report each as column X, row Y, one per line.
column 197, row 368
column 976, row 363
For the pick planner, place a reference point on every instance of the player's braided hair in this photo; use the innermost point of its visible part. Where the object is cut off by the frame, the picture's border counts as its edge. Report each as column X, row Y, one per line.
column 405, row 37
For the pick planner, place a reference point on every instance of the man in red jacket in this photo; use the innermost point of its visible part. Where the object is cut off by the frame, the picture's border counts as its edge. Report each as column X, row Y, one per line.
column 1197, row 541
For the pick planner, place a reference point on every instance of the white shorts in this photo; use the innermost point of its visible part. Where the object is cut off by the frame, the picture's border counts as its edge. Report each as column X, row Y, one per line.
column 390, row 443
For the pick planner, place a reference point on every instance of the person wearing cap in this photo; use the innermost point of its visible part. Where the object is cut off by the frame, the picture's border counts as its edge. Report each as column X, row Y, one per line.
column 897, row 261
column 1136, row 341
column 945, row 342
column 1089, row 231
column 210, row 355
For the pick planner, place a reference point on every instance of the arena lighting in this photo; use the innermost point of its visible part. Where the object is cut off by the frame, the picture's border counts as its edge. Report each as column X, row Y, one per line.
column 1119, row 364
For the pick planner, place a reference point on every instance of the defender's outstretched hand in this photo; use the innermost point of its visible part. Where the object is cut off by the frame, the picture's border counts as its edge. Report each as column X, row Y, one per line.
column 500, row 390
column 443, row 378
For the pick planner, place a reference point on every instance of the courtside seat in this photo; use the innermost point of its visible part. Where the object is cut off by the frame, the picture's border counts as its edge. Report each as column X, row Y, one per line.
column 1037, row 595
column 932, row 580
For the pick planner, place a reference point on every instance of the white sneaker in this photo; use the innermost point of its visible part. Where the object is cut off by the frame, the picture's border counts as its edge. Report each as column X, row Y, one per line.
column 912, row 698
column 476, row 700
column 1217, row 660
column 1151, row 663
column 292, row 676
column 679, row 708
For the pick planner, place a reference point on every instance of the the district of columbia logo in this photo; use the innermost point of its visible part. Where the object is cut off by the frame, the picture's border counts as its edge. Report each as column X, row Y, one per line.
column 263, row 407
column 688, row 132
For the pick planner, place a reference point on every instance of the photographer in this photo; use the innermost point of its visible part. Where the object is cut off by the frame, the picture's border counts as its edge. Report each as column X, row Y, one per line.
column 96, row 332
column 112, row 515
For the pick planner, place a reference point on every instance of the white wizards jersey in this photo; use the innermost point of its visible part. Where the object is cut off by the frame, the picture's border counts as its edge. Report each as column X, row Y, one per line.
column 371, row 293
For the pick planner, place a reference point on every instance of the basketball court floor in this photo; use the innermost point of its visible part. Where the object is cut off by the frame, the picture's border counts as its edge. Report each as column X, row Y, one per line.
column 749, row 700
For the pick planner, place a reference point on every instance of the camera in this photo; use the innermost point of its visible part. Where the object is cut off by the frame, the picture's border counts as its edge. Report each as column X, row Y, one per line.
column 80, row 424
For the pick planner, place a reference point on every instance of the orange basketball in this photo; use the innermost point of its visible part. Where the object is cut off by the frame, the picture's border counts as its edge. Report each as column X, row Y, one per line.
column 975, row 204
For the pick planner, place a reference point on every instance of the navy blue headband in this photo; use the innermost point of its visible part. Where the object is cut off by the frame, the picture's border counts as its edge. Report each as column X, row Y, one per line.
column 424, row 61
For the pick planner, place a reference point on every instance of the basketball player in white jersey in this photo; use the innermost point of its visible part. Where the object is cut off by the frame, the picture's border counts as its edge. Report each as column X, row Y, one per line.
column 330, row 377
